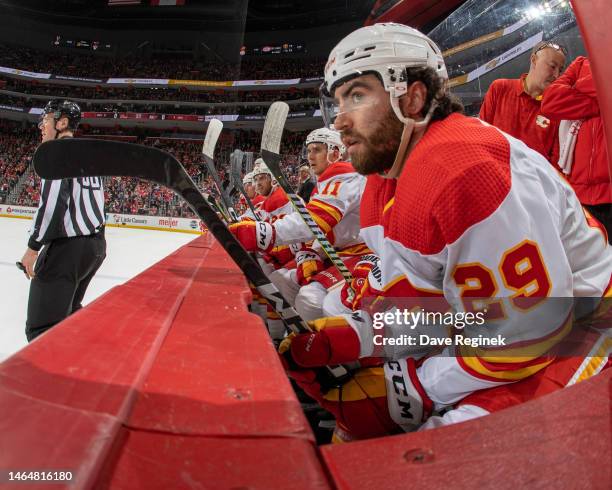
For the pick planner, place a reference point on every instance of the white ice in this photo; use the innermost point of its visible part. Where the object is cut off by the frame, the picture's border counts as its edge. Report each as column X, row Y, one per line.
column 129, row 252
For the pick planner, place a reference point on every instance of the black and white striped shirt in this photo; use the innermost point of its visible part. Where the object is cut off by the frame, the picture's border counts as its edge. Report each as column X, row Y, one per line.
column 67, row 208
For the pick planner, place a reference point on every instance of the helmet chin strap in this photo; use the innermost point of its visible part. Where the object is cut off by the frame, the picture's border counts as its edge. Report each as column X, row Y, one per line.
column 411, row 127
column 329, row 161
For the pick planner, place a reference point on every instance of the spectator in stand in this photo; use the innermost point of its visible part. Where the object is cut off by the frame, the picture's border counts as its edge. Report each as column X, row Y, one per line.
column 173, row 93
column 17, row 143
column 125, row 195
column 572, row 101
column 307, row 183
column 90, row 64
column 514, row 105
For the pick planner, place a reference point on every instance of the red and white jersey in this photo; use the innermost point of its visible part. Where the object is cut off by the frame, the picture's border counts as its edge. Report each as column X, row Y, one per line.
column 275, row 205
column 478, row 215
column 257, row 201
column 334, row 206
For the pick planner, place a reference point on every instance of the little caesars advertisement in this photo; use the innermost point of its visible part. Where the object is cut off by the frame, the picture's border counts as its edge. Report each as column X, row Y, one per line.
column 184, row 225
column 162, row 223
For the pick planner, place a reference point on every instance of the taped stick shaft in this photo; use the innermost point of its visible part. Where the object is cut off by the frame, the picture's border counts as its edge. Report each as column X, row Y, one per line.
column 270, row 147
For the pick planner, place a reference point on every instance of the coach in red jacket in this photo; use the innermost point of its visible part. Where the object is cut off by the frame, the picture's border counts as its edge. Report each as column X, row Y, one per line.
column 513, row 105
column 573, row 97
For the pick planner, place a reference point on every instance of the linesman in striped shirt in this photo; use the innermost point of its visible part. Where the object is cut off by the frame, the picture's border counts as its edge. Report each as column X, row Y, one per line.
column 68, row 227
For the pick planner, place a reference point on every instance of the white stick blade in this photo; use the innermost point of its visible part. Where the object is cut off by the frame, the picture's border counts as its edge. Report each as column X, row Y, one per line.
column 236, row 161
column 273, row 127
column 212, row 135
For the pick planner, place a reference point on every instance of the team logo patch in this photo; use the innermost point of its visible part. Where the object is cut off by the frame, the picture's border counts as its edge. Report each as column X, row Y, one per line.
column 542, row 121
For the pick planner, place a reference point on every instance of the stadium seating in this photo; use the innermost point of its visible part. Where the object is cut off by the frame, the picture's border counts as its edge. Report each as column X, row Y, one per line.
column 130, row 196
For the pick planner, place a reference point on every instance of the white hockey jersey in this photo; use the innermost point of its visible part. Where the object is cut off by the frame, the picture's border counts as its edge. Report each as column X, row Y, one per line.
column 480, row 223
column 334, row 206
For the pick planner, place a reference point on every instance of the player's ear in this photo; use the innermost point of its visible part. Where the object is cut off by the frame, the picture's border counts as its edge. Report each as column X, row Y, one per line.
column 62, row 124
column 413, row 101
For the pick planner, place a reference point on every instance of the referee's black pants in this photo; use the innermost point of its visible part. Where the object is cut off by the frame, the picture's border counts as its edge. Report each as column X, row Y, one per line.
column 62, row 273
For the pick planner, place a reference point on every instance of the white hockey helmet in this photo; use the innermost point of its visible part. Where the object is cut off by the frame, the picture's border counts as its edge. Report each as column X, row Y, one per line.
column 247, row 179
column 260, row 167
column 329, row 137
column 385, row 49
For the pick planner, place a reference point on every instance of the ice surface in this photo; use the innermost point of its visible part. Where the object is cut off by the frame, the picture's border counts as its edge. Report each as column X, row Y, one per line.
column 129, row 252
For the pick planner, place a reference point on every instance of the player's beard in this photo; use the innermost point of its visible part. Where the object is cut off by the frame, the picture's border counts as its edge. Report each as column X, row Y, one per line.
column 379, row 148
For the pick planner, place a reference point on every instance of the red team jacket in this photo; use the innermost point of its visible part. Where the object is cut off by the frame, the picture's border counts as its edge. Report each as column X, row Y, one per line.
column 508, row 107
column 573, row 96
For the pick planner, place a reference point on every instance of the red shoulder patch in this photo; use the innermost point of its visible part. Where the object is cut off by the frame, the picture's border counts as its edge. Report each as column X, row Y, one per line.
column 456, row 176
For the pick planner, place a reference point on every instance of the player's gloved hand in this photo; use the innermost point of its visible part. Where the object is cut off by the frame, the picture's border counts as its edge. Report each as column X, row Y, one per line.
column 309, row 264
column 279, row 256
column 359, row 405
column 254, row 236
column 352, row 293
column 333, row 340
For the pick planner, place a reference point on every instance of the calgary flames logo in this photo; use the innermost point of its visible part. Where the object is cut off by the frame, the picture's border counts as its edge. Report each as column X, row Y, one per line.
column 542, row 121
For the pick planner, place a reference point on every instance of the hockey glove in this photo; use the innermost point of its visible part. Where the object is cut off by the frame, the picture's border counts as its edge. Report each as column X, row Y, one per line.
column 332, row 341
column 254, row 236
column 309, row 264
column 359, row 284
column 359, row 405
column 279, row 256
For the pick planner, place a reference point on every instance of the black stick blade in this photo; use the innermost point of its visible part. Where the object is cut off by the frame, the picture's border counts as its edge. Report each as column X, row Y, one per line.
column 79, row 157
column 73, row 158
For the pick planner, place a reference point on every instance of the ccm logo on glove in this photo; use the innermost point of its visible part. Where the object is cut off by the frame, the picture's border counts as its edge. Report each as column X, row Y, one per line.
column 264, row 235
column 254, row 235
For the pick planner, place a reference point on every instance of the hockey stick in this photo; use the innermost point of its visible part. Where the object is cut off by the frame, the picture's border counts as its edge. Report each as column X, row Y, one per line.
column 270, row 152
column 208, row 150
column 236, row 179
column 98, row 158
column 210, row 142
column 218, row 208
